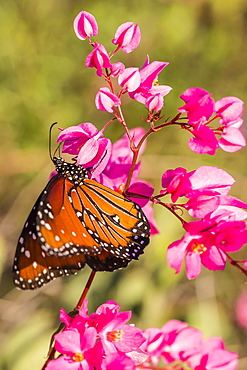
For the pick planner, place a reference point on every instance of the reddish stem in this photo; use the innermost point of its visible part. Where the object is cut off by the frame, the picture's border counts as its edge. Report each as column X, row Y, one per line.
column 85, row 291
column 235, row 263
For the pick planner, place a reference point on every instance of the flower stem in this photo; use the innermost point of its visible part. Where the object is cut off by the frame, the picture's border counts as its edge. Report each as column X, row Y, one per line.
column 85, row 291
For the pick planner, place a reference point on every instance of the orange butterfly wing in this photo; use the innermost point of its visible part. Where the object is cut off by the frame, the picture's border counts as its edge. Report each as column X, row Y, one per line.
column 32, row 267
column 90, row 219
column 77, row 222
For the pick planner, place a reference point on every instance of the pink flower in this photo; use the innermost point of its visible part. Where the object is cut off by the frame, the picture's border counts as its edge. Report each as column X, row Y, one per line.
column 176, row 183
column 127, row 37
column 130, row 79
column 78, row 322
column 205, row 242
column 78, row 350
column 159, row 340
column 204, row 140
column 232, row 139
column 146, row 89
column 155, row 102
column 229, row 110
column 199, row 108
column 214, row 356
column 118, row 361
column 176, row 343
column 85, row 141
column 196, row 250
column 98, row 58
column 105, row 100
column 85, row 25
column 117, row 69
column 209, row 178
column 199, row 104
column 113, row 331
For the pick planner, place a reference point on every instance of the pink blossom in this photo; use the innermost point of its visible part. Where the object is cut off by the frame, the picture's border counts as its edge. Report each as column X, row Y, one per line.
column 205, row 242
column 98, row 58
column 155, row 102
column 202, row 203
column 176, row 183
column 105, row 100
column 159, row 339
column 77, row 350
column 127, row 37
column 199, row 104
column 204, row 140
column 85, row 141
column 208, row 185
column 78, row 322
column 229, row 109
column 209, row 178
column 231, row 235
column 118, row 361
column 117, row 69
column 214, row 356
column 130, row 79
column 197, row 249
column 146, row 88
column 85, row 25
column 113, row 331
column 231, row 139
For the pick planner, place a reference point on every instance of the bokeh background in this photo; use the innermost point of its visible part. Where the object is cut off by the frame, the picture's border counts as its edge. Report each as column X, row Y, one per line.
column 43, row 80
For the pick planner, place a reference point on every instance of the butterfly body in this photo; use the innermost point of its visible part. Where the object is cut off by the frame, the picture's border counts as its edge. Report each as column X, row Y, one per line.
column 75, row 221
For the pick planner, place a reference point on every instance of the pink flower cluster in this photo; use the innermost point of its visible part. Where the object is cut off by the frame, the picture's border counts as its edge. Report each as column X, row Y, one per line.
column 140, row 84
column 104, row 341
column 202, row 111
column 221, row 228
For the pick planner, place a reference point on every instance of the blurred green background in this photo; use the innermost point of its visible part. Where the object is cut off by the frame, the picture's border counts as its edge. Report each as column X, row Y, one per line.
column 43, row 80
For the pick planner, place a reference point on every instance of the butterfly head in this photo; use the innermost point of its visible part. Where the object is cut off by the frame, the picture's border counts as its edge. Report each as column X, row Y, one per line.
column 73, row 172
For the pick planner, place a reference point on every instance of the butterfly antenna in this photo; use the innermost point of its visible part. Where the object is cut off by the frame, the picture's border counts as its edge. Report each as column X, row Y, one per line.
column 50, row 131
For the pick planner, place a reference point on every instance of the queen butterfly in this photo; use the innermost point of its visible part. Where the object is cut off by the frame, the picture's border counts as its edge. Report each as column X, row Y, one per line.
column 77, row 221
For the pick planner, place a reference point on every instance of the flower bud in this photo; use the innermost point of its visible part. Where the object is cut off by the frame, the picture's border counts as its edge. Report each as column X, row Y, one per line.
column 85, row 25
column 130, row 79
column 127, row 37
column 98, row 58
column 105, row 100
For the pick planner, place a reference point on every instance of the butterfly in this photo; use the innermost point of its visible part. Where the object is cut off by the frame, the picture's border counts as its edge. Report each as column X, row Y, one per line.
column 77, row 221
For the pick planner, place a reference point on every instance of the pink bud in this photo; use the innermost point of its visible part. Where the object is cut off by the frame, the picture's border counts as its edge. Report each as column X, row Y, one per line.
column 229, row 109
column 105, row 100
column 130, row 79
column 155, row 102
column 117, row 69
column 85, row 25
column 98, row 58
column 127, row 37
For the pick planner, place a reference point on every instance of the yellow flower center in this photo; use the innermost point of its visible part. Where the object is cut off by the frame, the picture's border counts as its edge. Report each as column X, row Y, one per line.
column 197, row 247
column 77, row 357
column 115, row 336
